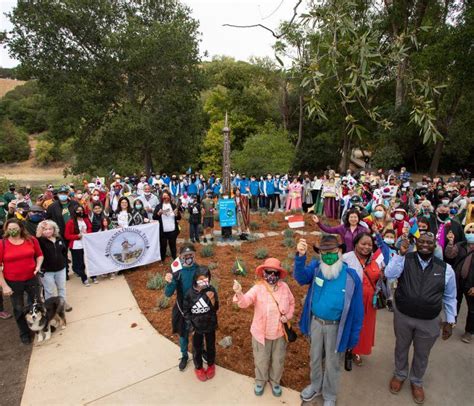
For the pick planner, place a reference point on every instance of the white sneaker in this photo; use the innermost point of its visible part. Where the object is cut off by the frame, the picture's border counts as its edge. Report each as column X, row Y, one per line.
column 86, row 283
column 112, row 275
column 95, row 281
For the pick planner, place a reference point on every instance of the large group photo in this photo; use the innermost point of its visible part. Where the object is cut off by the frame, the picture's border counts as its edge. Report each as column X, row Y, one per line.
column 294, row 229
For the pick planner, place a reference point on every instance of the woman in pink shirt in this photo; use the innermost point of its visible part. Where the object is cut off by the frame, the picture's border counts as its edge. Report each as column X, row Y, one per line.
column 274, row 305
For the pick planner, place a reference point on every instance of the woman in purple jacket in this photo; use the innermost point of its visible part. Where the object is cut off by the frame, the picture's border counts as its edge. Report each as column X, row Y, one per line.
column 348, row 231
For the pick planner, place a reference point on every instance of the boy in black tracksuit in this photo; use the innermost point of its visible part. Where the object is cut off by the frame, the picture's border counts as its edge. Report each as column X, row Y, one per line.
column 200, row 309
column 194, row 209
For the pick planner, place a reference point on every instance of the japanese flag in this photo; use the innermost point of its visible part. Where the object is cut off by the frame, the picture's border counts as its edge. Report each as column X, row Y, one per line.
column 295, row 221
column 176, row 265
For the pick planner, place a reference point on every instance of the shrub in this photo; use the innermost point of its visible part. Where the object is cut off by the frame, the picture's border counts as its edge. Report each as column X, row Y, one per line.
column 237, row 248
column 291, row 255
column 289, row 242
column 239, row 267
column 66, row 149
column 156, row 282
column 254, row 226
column 263, row 211
column 163, row 302
column 215, row 284
column 274, row 225
column 261, row 253
column 252, row 238
column 14, row 146
column 207, row 251
column 286, row 265
column 44, row 152
column 212, row 265
column 387, row 156
column 288, row 233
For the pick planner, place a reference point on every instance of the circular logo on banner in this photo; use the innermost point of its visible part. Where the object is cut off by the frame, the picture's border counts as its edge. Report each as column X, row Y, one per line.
column 127, row 247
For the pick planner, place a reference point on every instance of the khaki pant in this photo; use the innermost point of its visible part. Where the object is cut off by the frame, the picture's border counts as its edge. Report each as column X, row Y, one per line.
column 269, row 360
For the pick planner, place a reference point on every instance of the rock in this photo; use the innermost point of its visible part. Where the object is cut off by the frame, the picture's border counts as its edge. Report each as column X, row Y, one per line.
column 272, row 234
column 226, row 342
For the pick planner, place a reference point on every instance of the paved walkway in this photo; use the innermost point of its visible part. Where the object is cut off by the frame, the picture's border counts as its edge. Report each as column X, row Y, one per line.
column 101, row 359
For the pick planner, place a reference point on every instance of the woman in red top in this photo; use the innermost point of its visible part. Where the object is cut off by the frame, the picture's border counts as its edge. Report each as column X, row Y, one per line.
column 21, row 259
column 78, row 225
column 368, row 269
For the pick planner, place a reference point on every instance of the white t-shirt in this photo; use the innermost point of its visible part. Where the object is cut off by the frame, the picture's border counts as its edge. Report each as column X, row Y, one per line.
column 77, row 245
column 122, row 219
column 167, row 218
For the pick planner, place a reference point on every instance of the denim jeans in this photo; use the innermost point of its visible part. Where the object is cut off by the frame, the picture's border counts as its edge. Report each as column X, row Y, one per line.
column 32, row 288
column 54, row 284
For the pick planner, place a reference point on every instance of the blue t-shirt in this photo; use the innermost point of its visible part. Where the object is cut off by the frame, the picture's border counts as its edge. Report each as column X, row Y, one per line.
column 328, row 296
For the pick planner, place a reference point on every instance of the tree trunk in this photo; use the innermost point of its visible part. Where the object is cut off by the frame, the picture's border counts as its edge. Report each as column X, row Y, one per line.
column 285, row 109
column 400, row 84
column 148, row 162
column 346, row 151
column 436, row 158
column 301, row 117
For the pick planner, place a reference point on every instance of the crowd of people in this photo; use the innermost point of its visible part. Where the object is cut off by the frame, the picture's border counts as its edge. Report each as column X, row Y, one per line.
column 401, row 244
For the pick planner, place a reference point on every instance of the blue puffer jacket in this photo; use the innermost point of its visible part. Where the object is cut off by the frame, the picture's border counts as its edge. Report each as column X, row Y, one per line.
column 353, row 312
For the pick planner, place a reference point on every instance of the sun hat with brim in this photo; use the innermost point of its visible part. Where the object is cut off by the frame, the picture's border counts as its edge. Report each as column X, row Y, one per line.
column 328, row 242
column 273, row 264
column 469, row 227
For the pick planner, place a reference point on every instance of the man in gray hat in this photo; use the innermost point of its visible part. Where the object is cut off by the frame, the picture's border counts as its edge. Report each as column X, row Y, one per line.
column 332, row 314
column 35, row 215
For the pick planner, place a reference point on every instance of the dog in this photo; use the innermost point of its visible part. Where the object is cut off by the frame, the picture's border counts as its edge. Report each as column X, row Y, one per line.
column 43, row 318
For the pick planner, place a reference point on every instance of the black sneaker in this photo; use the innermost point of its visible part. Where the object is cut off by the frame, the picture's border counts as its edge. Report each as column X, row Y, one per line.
column 204, row 239
column 389, row 305
column 25, row 340
column 183, row 363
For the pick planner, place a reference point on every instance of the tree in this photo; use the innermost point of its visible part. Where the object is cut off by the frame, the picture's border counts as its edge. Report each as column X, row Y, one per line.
column 14, row 145
column 122, row 77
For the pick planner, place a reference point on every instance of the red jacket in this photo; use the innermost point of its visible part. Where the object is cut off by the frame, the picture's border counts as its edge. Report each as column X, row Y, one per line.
column 69, row 233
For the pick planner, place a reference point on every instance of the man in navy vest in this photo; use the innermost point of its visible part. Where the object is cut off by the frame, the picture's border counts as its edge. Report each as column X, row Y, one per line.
column 426, row 285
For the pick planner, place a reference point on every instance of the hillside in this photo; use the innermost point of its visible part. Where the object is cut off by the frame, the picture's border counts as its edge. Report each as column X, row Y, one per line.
column 9, row 84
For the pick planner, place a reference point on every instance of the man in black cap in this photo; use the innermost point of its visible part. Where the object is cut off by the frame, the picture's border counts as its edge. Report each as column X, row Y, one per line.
column 426, row 285
column 10, row 195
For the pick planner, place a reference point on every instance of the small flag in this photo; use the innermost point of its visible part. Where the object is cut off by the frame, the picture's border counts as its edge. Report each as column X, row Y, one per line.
column 414, row 230
column 176, row 265
column 296, row 221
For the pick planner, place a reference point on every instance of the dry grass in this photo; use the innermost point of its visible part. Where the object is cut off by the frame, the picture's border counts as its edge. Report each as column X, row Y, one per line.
column 9, row 84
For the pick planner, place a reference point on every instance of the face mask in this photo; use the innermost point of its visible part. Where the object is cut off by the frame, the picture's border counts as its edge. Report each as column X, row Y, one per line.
column 188, row 261
column 389, row 241
column 117, row 192
column 138, row 206
column 470, row 238
column 147, row 193
column 79, row 214
column 62, row 198
column 95, row 198
column 79, row 196
column 443, row 216
column 12, row 189
column 271, row 278
column 445, row 201
column 453, row 211
column 14, row 232
column 330, row 258
column 378, row 214
column 202, row 283
column 399, row 216
column 37, row 217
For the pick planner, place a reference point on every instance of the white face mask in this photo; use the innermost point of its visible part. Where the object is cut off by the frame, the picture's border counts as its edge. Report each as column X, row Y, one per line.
column 445, row 201
column 79, row 196
column 399, row 216
column 95, row 198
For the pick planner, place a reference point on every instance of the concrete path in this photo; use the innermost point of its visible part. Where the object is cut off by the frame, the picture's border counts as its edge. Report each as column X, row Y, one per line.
column 101, row 359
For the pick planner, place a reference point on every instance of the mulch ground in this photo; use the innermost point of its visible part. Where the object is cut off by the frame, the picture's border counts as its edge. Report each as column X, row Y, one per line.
column 14, row 361
column 233, row 321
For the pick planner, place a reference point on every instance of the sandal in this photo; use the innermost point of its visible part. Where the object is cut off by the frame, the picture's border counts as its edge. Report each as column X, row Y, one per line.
column 357, row 360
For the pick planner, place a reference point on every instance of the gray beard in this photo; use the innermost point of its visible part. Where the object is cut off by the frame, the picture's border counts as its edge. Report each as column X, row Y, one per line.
column 331, row 271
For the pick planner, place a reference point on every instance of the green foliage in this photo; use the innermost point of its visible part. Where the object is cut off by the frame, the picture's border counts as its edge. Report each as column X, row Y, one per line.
column 212, row 265
column 254, row 226
column 287, row 265
column 261, row 253
column 387, row 156
column 271, row 143
column 213, row 144
column 239, row 267
column 207, row 251
column 263, row 212
column 288, row 233
column 215, row 283
column 274, row 225
column 289, row 242
column 14, row 145
column 156, row 282
column 44, row 152
column 163, row 302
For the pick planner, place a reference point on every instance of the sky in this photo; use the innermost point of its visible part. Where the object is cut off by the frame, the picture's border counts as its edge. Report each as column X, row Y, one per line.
column 212, row 14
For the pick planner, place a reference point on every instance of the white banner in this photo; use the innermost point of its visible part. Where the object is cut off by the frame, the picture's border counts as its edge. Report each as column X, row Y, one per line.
column 121, row 248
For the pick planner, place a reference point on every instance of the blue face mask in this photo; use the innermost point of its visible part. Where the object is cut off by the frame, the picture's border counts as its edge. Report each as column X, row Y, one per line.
column 470, row 238
column 453, row 211
column 62, row 198
column 37, row 217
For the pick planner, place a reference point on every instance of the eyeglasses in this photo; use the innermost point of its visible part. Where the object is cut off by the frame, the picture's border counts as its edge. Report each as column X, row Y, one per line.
column 427, row 233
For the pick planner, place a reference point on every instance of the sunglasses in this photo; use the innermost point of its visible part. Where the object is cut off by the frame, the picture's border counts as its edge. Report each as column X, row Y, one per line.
column 271, row 272
column 427, row 233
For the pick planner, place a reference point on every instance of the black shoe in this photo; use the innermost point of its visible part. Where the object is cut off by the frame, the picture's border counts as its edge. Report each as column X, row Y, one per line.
column 204, row 239
column 183, row 363
column 212, row 238
column 198, row 240
column 204, row 356
column 192, row 240
column 389, row 306
column 67, row 276
column 25, row 340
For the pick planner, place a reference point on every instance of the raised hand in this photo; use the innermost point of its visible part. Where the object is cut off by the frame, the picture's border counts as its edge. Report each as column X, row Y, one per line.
column 168, row 277
column 302, row 247
column 237, row 287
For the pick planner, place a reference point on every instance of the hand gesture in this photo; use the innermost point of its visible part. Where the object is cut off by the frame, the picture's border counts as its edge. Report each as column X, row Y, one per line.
column 447, row 330
column 315, row 219
column 160, row 212
column 450, row 237
column 211, row 296
column 470, row 292
column 283, row 318
column 302, row 247
column 374, row 228
column 168, row 277
column 404, row 246
column 237, row 287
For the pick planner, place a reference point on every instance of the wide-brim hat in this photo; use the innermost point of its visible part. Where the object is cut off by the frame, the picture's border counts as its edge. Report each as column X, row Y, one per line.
column 274, row 264
column 328, row 242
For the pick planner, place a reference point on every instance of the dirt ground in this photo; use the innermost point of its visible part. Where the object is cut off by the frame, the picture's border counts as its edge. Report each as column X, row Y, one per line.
column 233, row 321
column 14, row 360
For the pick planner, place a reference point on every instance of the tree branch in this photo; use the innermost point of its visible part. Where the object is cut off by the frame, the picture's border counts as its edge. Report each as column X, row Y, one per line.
column 277, row 36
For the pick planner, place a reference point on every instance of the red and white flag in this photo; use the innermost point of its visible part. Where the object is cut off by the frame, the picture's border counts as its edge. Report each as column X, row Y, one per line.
column 295, row 221
column 176, row 265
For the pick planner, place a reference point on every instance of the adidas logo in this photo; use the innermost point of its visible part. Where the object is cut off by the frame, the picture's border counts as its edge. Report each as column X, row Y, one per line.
column 200, row 307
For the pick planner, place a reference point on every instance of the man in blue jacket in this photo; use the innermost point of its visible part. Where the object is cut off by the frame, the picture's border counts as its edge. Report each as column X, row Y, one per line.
column 332, row 314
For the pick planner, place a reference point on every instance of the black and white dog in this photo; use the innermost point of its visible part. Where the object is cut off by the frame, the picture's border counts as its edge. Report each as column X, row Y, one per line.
column 43, row 317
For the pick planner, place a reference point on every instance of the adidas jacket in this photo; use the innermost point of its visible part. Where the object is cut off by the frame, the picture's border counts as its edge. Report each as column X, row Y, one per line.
column 200, row 311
